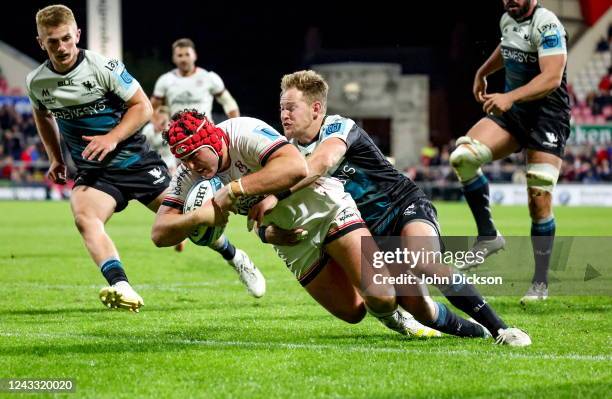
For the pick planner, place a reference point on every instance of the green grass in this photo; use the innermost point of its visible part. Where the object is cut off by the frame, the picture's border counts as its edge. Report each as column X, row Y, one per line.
column 201, row 335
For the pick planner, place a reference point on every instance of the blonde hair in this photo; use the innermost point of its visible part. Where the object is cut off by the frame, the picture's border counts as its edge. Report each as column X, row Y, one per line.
column 311, row 84
column 54, row 15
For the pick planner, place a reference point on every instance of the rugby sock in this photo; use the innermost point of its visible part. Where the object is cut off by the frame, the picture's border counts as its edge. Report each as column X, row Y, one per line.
column 542, row 239
column 224, row 247
column 466, row 298
column 448, row 322
column 476, row 192
column 112, row 270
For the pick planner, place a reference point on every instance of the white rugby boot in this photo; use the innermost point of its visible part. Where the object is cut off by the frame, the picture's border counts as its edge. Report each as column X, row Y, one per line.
column 249, row 274
column 482, row 249
column 121, row 295
column 537, row 292
column 404, row 323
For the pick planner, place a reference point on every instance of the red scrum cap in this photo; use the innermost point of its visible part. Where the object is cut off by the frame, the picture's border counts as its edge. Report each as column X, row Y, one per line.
column 189, row 131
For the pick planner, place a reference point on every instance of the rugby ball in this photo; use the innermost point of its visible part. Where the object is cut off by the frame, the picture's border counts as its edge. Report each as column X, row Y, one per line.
column 199, row 194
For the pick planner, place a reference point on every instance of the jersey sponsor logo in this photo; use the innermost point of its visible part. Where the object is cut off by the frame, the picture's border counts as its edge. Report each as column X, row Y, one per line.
column 111, row 65
column 547, row 27
column 345, row 174
column 518, row 55
column 333, row 128
column 65, row 82
column 78, row 112
column 45, row 93
column 551, row 39
column 126, row 77
column 178, row 188
column 241, row 167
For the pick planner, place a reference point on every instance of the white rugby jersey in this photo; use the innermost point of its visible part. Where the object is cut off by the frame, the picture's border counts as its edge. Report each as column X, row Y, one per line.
column 523, row 43
column 251, row 142
column 189, row 92
column 88, row 100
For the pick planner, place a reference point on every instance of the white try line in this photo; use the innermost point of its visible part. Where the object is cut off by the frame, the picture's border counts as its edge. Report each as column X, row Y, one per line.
column 164, row 286
column 503, row 352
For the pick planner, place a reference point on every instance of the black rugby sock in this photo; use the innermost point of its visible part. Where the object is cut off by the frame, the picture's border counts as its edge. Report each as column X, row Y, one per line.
column 542, row 239
column 476, row 192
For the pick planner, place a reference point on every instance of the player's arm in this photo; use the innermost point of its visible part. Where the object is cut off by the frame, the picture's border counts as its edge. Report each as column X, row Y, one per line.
column 229, row 104
column 171, row 226
column 546, row 81
column 494, row 63
column 50, row 136
column 139, row 111
column 324, row 157
column 283, row 169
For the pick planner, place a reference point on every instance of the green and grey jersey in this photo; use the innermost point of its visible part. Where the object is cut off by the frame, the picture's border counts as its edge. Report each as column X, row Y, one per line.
column 522, row 45
column 88, row 100
column 380, row 191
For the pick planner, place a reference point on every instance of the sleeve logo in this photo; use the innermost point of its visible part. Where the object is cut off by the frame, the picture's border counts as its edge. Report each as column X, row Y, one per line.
column 551, row 39
column 333, row 128
column 126, row 77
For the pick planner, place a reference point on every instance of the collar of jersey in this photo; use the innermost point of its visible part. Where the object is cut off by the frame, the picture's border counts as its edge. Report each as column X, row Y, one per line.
column 80, row 59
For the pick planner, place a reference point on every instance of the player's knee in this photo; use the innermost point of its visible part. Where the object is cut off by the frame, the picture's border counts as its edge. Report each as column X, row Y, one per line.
column 353, row 315
column 84, row 222
column 541, row 181
column 468, row 156
column 541, row 178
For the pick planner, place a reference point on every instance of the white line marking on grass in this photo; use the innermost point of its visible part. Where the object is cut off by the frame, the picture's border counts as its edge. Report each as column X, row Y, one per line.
column 165, row 286
column 503, row 352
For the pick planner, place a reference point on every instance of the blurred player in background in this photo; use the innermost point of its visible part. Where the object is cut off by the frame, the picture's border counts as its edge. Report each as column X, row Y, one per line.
column 253, row 159
column 189, row 86
column 390, row 203
column 532, row 114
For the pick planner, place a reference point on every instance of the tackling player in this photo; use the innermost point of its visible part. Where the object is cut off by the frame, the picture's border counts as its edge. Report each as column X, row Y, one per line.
column 390, row 203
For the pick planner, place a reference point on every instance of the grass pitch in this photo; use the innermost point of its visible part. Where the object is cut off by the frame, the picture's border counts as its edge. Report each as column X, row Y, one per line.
column 201, row 335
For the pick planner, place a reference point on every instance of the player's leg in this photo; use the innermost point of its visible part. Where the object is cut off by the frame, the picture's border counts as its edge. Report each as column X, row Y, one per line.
column 352, row 251
column 419, row 235
column 487, row 140
column 332, row 289
column 542, row 174
column 248, row 273
column 91, row 209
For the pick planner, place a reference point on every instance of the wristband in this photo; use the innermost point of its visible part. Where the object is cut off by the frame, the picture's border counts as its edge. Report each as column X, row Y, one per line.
column 261, row 232
column 283, row 194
